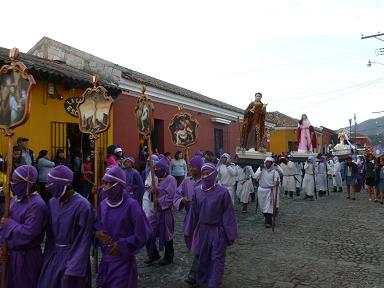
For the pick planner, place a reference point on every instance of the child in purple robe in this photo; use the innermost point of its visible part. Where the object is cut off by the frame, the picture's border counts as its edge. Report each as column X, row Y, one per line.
column 122, row 229
column 24, row 230
column 161, row 216
column 210, row 227
column 66, row 254
column 183, row 199
column 135, row 185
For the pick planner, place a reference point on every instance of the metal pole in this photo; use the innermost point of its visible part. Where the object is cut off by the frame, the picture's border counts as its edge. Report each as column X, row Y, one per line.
column 154, row 194
column 96, row 197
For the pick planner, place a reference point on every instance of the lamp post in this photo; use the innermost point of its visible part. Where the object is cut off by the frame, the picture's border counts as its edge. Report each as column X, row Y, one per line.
column 354, row 119
column 350, row 128
column 369, row 64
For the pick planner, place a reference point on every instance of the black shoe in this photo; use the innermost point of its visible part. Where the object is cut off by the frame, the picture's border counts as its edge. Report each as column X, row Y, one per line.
column 189, row 280
column 286, row 193
column 310, row 198
column 165, row 261
column 353, row 198
column 340, row 190
column 348, row 197
column 305, row 197
column 291, row 195
column 297, row 193
column 334, row 189
column 321, row 193
column 268, row 225
column 150, row 260
column 244, row 209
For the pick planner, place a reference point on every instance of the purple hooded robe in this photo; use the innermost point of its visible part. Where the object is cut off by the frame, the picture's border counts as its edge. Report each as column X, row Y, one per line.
column 24, row 232
column 209, row 227
column 162, row 219
column 68, row 242
column 135, row 185
column 186, row 189
column 127, row 225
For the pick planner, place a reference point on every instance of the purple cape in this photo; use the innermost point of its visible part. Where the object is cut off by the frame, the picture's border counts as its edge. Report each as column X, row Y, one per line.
column 135, row 185
column 186, row 189
column 24, row 232
column 128, row 226
column 68, row 242
column 210, row 225
column 162, row 220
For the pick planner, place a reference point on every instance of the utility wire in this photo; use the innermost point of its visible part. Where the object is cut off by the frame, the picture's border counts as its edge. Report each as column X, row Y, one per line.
column 327, row 92
column 341, row 95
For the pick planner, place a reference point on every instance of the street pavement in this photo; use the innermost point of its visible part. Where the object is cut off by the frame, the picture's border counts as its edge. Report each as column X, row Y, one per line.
column 331, row 242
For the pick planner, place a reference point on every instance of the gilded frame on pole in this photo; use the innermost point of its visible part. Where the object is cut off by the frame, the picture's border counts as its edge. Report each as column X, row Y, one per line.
column 15, row 93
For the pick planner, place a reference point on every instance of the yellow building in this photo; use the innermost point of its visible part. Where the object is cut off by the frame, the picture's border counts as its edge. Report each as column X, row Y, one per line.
column 53, row 122
column 283, row 137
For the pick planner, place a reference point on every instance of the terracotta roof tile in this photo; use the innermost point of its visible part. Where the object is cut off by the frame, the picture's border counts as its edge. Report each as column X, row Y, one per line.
column 281, row 120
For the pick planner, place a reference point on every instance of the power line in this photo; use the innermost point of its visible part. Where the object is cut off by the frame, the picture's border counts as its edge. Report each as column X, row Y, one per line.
column 329, row 99
column 327, row 92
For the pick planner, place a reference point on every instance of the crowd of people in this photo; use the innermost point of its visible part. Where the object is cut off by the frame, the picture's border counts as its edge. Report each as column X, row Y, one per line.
column 52, row 207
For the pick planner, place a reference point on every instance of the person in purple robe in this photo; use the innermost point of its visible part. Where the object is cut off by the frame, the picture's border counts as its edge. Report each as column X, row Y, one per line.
column 122, row 229
column 186, row 189
column 210, row 227
column 135, row 185
column 183, row 199
column 161, row 216
column 24, row 229
column 69, row 232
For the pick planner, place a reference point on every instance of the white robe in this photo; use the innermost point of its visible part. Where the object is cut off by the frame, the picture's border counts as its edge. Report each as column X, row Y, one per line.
column 240, row 181
column 321, row 177
column 337, row 181
column 298, row 173
column 227, row 178
column 266, row 192
column 289, row 171
column 247, row 187
column 308, row 181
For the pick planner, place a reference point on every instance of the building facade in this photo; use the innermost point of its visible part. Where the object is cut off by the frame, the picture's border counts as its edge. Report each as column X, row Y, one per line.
column 53, row 123
column 219, row 122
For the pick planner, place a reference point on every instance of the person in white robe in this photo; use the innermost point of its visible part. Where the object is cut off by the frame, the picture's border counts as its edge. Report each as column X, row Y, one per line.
column 321, row 176
column 227, row 174
column 298, row 176
column 247, row 188
column 240, row 179
column 289, row 171
column 337, row 180
column 331, row 172
column 268, row 178
column 309, row 178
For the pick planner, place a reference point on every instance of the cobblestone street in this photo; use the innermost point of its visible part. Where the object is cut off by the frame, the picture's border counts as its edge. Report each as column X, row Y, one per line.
column 331, row 242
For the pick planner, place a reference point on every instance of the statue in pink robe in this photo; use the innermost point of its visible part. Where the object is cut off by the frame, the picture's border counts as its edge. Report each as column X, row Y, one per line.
column 306, row 136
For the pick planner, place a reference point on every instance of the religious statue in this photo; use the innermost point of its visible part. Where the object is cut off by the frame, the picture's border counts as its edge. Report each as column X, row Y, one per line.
column 253, row 128
column 306, row 136
column 344, row 147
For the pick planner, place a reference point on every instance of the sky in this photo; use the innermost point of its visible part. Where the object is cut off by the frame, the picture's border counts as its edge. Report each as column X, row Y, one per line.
column 304, row 56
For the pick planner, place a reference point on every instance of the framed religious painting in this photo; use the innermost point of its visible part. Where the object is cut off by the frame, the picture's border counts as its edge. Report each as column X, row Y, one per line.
column 15, row 88
column 94, row 110
column 144, row 115
column 183, row 129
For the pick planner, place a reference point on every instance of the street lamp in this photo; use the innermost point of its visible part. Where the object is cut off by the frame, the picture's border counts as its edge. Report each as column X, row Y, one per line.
column 369, row 64
column 350, row 128
column 354, row 119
